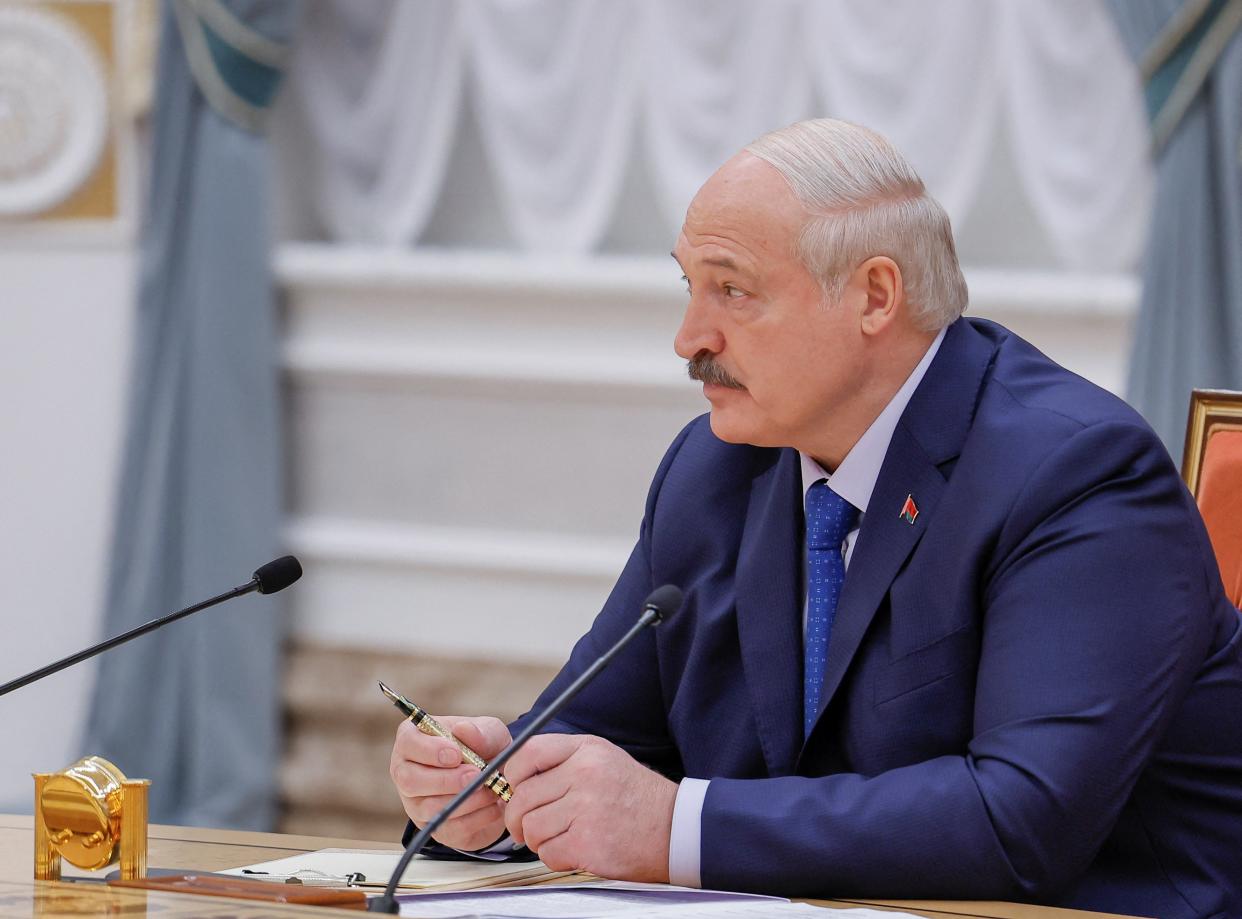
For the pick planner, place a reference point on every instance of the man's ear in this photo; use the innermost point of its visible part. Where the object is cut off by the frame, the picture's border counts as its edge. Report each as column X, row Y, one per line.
column 880, row 278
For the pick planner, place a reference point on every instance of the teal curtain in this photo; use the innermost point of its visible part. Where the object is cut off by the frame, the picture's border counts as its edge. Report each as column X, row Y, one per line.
column 1189, row 327
column 195, row 707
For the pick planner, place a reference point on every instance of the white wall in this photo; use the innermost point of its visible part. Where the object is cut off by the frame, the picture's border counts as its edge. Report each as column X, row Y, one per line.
column 66, row 316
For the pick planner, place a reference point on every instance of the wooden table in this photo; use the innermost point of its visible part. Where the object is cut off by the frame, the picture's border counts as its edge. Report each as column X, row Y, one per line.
column 212, row 850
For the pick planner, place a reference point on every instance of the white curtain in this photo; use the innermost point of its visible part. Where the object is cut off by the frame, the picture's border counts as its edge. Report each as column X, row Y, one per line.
column 1079, row 129
column 717, row 75
column 922, row 74
column 567, row 92
column 382, row 87
column 555, row 85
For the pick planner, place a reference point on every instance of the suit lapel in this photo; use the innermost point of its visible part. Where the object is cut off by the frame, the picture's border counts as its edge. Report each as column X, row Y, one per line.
column 884, row 543
column 931, row 432
column 769, row 604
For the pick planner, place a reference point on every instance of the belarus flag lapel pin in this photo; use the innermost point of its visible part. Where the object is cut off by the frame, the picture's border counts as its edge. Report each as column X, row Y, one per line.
column 909, row 510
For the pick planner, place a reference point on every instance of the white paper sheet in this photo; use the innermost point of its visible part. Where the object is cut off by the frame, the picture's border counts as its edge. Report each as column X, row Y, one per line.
column 616, row 902
column 330, row 867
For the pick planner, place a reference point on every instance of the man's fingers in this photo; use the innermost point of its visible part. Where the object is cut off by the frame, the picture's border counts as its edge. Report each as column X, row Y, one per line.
column 428, row 773
column 423, row 809
column 536, row 792
column 485, row 736
column 561, row 854
column 544, row 824
column 414, row 780
column 415, row 746
column 474, row 830
column 541, row 753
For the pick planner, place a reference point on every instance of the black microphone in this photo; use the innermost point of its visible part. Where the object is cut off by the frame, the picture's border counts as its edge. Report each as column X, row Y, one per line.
column 661, row 603
column 275, row 575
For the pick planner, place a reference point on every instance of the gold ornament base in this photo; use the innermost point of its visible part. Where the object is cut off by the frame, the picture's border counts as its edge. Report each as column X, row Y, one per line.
column 91, row 815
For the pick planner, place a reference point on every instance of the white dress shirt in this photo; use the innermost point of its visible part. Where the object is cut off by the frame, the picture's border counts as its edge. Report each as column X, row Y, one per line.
column 854, row 481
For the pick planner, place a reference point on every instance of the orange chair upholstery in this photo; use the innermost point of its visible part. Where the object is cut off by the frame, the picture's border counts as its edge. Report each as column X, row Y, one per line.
column 1212, row 468
column 1220, row 502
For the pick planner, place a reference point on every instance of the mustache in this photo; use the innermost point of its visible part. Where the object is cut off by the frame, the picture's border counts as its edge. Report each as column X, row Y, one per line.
column 703, row 367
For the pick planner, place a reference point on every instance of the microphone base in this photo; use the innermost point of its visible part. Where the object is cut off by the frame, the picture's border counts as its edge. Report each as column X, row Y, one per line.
column 384, row 904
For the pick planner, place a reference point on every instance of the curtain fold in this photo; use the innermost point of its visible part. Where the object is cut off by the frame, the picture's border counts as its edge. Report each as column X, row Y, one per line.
column 1081, row 155
column 555, row 85
column 380, row 85
column 195, row 707
column 717, row 75
column 1189, row 328
column 566, row 91
column 932, row 84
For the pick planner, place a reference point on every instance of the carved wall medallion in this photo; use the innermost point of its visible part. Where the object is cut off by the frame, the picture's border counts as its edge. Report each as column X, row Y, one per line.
column 53, row 110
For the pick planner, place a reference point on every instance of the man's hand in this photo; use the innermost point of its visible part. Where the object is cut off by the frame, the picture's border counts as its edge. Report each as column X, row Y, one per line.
column 583, row 803
column 428, row 773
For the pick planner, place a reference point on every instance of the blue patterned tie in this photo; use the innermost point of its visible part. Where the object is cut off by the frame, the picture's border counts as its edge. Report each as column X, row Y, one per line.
column 829, row 518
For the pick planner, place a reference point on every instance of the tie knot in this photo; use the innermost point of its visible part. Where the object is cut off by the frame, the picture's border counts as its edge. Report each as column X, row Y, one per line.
column 829, row 517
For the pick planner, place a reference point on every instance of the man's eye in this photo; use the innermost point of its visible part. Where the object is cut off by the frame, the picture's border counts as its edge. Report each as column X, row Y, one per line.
column 731, row 291
column 685, row 280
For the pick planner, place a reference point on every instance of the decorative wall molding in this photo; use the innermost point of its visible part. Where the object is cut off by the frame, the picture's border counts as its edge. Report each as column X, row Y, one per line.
column 521, row 616
column 600, row 322
column 68, row 170
column 310, row 271
column 53, row 109
column 478, row 369
column 456, row 549
column 310, row 267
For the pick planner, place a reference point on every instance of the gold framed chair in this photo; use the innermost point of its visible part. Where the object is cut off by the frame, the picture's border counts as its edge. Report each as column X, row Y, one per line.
column 1212, row 470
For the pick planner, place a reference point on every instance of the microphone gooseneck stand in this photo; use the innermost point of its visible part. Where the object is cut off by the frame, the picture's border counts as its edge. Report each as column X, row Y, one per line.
column 662, row 602
column 275, row 575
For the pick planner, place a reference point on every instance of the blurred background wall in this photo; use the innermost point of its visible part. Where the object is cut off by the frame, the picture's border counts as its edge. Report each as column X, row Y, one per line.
column 72, row 84
column 472, row 206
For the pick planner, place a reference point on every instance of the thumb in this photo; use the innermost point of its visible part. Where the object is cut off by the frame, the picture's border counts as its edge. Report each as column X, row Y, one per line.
column 485, row 736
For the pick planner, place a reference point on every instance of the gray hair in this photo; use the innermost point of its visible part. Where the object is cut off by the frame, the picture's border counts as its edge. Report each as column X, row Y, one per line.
column 866, row 200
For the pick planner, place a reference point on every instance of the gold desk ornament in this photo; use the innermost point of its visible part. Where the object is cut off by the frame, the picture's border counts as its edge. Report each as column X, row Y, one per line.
column 91, row 814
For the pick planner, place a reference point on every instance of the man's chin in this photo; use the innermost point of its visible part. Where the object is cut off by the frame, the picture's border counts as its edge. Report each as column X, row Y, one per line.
column 729, row 428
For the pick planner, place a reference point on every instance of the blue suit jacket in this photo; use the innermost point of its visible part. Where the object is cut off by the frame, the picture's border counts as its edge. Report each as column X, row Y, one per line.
column 1033, row 692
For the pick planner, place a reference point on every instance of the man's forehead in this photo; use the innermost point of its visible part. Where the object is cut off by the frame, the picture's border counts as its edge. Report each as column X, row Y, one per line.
column 722, row 253
column 743, row 214
column 736, row 180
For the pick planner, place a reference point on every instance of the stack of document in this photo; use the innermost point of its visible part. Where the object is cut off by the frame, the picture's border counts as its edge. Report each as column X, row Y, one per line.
column 615, row 900
column 437, row 889
column 373, row 867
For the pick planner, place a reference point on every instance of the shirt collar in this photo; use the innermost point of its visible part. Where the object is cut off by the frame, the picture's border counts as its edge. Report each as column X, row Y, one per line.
column 855, row 478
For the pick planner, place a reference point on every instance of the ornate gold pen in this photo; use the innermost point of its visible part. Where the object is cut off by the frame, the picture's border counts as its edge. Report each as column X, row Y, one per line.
column 429, row 725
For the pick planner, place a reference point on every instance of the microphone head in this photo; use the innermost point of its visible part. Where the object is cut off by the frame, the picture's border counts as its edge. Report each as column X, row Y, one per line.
column 277, row 575
column 664, row 601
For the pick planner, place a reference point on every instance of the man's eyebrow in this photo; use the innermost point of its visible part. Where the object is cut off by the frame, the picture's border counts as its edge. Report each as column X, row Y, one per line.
column 720, row 261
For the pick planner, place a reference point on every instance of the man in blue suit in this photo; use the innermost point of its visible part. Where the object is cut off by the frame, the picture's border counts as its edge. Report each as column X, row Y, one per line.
column 952, row 627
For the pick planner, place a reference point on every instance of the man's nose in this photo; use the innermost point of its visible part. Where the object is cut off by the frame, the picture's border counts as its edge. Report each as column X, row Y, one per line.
column 697, row 333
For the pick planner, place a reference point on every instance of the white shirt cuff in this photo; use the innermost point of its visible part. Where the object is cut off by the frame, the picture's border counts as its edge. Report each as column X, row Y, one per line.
column 684, row 842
